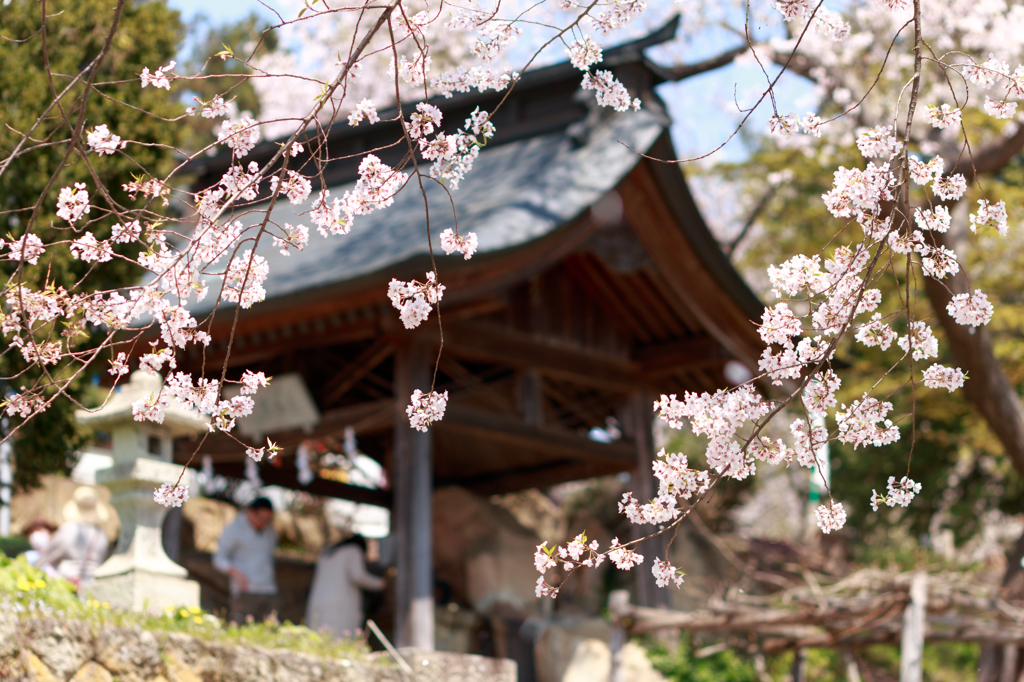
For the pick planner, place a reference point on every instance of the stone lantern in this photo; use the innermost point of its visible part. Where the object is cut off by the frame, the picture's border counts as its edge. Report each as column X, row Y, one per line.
column 140, row 575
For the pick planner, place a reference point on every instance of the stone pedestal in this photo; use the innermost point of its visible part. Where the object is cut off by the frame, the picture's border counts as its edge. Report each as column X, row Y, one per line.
column 140, row 575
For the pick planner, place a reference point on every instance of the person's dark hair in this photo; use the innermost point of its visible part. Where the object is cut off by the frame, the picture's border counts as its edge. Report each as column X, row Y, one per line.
column 357, row 540
column 261, row 503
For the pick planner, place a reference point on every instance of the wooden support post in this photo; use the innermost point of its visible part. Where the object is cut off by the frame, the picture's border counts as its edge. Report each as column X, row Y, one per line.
column 531, row 397
column 412, row 517
column 912, row 642
column 1008, row 672
column 618, row 610
column 645, row 487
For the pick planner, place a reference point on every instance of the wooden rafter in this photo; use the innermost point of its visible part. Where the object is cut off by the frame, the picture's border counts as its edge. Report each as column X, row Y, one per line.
column 354, row 371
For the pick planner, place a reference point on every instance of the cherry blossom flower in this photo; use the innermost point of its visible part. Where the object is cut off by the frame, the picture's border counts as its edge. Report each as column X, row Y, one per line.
column 243, row 282
column 494, row 38
column 901, row 493
column 924, row 343
column 950, row 188
column 159, row 78
column 364, row 111
column 940, row 262
column 426, row 408
column 252, row 382
column 216, row 108
column 88, row 249
column 865, row 423
column 102, row 141
column 465, row 79
column 413, row 299
column 779, row 325
column 150, row 409
column 29, row 248
column 170, row 495
column 925, row 173
column 545, row 590
column 830, row 518
column 970, row 309
column 990, row 215
column 937, row 220
column 878, row 143
column 783, row 125
column 584, row 52
column 665, row 573
column 623, row 557
column 126, row 233
column 811, row 124
column 72, row 204
column 542, row 559
column 119, row 365
column 295, row 187
column 297, row 236
column 22, row 404
column 240, row 136
column 451, row 243
column 610, row 92
column 1000, row 109
column 820, row 394
column 943, row 117
column 939, row 376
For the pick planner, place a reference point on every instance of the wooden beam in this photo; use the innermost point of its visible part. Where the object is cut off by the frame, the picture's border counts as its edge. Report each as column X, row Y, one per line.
column 500, row 345
column 354, row 371
column 368, row 417
column 286, row 477
column 559, row 442
column 666, row 358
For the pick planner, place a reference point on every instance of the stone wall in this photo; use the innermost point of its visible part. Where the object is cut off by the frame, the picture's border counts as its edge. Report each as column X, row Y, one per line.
column 51, row 650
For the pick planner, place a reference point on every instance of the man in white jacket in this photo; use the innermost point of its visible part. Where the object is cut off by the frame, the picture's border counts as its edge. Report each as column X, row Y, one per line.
column 245, row 552
column 335, row 598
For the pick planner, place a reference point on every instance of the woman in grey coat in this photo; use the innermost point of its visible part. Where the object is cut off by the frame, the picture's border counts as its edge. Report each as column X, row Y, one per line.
column 335, row 598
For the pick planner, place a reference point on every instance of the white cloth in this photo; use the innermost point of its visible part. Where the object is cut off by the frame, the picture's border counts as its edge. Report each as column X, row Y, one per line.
column 250, row 551
column 335, row 600
column 76, row 549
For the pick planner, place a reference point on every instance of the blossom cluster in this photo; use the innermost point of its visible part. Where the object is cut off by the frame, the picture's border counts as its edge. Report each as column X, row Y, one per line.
column 414, row 299
column 426, row 408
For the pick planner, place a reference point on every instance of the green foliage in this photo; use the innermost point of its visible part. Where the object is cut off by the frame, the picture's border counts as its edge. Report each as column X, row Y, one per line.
column 148, row 35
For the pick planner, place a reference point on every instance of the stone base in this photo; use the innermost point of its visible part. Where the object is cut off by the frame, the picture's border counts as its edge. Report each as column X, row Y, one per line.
column 142, row 590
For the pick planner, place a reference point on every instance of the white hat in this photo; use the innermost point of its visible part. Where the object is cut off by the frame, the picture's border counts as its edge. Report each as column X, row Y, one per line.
column 85, row 507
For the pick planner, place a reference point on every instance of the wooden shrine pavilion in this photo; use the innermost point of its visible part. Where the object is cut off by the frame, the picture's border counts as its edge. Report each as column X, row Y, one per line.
column 597, row 286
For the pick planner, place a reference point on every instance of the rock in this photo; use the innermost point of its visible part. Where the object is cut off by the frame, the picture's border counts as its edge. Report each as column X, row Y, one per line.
column 535, row 510
column 441, row 666
column 486, row 554
column 130, row 654
column 64, row 646
column 178, row 671
column 577, row 651
column 37, row 670
column 92, row 672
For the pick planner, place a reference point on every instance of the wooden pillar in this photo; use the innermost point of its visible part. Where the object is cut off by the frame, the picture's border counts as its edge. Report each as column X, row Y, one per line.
column 412, row 517
column 645, row 487
column 912, row 640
